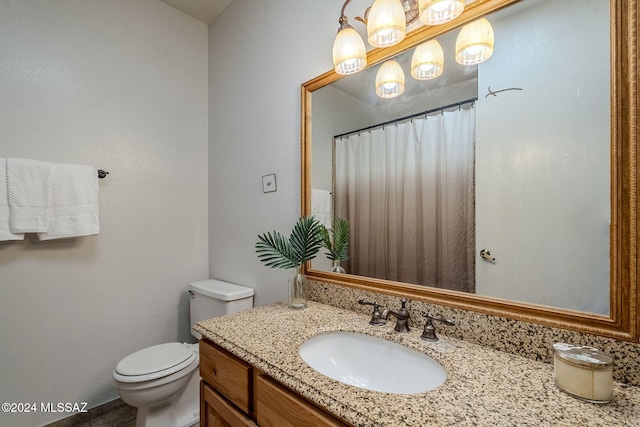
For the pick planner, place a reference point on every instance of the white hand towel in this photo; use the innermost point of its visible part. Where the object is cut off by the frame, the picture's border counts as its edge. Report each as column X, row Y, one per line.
column 73, row 202
column 5, row 227
column 28, row 194
column 321, row 206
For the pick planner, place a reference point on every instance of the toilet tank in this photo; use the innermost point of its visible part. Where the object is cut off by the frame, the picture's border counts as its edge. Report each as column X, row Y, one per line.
column 213, row 298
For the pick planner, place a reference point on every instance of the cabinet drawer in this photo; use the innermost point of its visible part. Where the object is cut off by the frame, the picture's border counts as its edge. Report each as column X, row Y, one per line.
column 277, row 406
column 226, row 373
column 217, row 412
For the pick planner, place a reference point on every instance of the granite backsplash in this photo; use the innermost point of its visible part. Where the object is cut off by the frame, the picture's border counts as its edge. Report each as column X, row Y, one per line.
column 512, row 336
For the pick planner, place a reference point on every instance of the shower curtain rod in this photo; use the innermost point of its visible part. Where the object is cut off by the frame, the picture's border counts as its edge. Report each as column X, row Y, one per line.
column 401, row 119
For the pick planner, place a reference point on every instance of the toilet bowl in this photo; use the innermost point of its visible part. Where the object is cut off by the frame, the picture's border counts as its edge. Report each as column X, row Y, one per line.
column 154, row 379
column 162, row 381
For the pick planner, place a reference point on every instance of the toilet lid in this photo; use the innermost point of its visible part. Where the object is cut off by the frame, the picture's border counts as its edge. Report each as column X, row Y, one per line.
column 156, row 359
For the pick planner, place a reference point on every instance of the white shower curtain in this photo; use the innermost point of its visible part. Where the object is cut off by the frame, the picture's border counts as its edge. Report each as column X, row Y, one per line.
column 408, row 193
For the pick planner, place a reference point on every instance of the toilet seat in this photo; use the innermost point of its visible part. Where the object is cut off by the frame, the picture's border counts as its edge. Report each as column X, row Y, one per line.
column 154, row 362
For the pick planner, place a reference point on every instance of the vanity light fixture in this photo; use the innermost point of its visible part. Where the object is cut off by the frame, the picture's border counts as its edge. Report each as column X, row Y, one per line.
column 474, row 43
column 427, row 61
column 434, row 12
column 386, row 23
column 389, row 80
column 349, row 53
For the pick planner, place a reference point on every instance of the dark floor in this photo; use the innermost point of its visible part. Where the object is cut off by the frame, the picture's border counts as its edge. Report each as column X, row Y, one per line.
column 113, row 414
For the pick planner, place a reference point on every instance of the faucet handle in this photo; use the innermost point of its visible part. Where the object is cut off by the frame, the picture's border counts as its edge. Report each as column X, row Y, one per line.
column 439, row 319
column 365, row 302
column 376, row 316
column 403, row 309
column 429, row 332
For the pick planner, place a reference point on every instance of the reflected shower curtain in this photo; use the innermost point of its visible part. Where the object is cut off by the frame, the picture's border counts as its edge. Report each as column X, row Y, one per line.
column 408, row 193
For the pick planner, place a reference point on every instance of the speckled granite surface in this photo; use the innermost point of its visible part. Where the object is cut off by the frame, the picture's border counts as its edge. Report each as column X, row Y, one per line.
column 513, row 336
column 485, row 387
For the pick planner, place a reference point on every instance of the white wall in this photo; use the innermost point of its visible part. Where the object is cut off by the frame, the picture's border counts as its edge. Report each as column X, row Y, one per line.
column 334, row 112
column 121, row 85
column 260, row 52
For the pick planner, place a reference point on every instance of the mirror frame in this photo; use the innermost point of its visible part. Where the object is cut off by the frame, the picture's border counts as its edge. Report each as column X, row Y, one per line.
column 623, row 321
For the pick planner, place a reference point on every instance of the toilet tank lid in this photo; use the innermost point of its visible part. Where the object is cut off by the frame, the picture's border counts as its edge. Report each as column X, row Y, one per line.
column 223, row 291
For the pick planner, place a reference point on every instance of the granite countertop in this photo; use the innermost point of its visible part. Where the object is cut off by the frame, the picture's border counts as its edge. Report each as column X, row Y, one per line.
column 485, row 387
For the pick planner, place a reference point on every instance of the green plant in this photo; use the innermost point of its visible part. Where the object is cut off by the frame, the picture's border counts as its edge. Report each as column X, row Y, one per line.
column 337, row 240
column 276, row 251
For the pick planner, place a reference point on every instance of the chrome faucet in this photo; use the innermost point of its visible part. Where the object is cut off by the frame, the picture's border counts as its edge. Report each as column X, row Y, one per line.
column 402, row 316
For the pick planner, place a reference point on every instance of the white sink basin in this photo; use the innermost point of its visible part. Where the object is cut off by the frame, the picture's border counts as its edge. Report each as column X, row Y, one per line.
column 372, row 363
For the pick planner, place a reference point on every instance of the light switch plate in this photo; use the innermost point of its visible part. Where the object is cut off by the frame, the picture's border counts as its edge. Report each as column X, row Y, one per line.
column 269, row 183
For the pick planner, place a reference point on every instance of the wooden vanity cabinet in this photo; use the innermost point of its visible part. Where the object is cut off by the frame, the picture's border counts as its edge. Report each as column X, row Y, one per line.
column 227, row 374
column 235, row 394
column 226, row 396
column 277, row 406
column 216, row 411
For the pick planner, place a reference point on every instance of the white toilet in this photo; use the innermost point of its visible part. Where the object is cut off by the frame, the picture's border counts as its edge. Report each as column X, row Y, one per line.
column 162, row 381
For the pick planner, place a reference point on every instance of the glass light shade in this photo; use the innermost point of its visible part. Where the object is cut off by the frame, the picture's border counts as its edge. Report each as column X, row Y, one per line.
column 434, row 12
column 349, row 53
column 474, row 43
column 427, row 61
column 386, row 23
column 389, row 80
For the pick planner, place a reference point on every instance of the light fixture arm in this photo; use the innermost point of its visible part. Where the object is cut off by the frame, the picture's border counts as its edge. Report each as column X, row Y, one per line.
column 410, row 7
column 343, row 18
column 344, row 6
column 344, row 21
column 366, row 16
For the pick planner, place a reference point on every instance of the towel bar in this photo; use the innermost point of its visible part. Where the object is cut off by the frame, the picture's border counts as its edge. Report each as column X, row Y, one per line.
column 102, row 173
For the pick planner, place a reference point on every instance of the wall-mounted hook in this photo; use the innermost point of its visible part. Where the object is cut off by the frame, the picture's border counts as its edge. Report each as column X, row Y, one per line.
column 495, row 92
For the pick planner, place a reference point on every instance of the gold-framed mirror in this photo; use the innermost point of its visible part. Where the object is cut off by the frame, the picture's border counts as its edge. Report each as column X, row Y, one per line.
column 621, row 320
